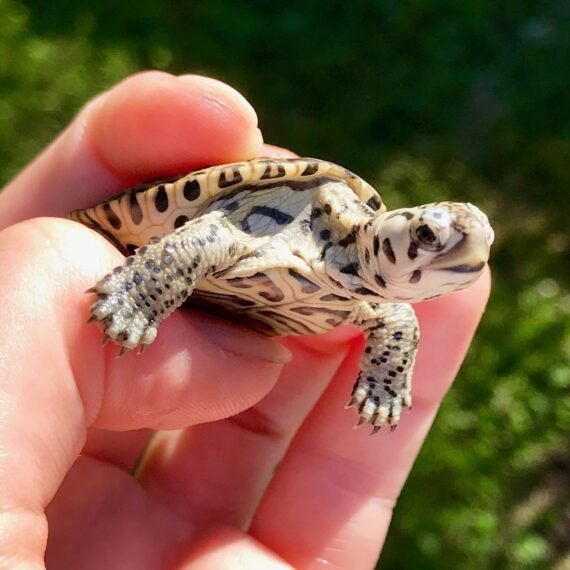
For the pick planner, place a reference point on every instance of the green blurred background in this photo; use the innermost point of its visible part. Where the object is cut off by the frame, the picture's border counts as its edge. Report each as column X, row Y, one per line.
column 431, row 99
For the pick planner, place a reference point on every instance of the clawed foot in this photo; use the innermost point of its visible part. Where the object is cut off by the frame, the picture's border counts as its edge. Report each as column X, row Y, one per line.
column 378, row 407
column 122, row 317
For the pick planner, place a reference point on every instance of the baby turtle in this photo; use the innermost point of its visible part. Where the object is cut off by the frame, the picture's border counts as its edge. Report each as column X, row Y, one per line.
column 288, row 247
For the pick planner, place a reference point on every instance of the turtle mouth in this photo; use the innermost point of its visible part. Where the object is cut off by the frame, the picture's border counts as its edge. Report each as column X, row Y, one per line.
column 466, row 268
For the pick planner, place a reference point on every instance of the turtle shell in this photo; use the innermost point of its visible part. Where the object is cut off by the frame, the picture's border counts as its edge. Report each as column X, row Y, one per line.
column 148, row 211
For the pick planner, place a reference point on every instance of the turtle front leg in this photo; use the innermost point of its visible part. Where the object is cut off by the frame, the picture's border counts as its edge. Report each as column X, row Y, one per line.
column 384, row 384
column 135, row 297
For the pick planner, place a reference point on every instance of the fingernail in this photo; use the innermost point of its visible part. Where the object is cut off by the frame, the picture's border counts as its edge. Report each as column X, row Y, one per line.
column 242, row 341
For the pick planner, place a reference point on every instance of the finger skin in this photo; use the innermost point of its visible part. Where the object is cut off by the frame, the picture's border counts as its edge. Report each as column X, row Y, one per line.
column 228, row 486
column 151, row 125
column 227, row 549
column 330, row 502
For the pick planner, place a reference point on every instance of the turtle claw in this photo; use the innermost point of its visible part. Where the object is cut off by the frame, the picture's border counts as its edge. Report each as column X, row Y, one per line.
column 91, row 319
column 106, row 339
column 123, row 350
column 142, row 348
column 375, row 430
column 361, row 420
column 353, row 402
column 90, row 290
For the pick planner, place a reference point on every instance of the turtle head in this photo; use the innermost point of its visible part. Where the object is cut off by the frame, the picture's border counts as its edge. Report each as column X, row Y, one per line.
column 424, row 252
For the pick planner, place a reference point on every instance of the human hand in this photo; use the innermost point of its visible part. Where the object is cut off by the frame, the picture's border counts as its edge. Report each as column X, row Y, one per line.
column 280, row 480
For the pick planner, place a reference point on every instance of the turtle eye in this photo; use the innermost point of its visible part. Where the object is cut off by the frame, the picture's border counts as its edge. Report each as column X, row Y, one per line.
column 426, row 238
column 425, row 235
column 432, row 229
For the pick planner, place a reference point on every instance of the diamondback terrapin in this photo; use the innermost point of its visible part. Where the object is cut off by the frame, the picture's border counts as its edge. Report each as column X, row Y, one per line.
column 289, row 247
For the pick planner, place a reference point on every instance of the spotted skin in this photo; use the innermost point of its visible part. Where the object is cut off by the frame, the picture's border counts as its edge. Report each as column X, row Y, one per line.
column 136, row 297
column 288, row 247
column 383, row 387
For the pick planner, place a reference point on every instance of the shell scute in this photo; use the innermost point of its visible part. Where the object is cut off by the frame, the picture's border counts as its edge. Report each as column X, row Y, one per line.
column 158, row 208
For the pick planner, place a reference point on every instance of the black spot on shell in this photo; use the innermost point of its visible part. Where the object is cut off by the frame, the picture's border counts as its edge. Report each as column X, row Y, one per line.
column 241, row 302
column 325, row 235
column 225, row 180
column 161, row 199
column 327, row 209
column 306, row 285
column 267, row 174
column 380, row 280
column 114, row 220
column 191, row 190
column 336, row 283
column 332, row 297
column 180, row 221
column 310, row 169
column 364, row 291
column 273, row 296
column 131, row 248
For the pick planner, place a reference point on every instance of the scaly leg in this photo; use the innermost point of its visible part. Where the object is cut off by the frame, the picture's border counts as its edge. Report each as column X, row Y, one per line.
column 158, row 278
column 384, row 384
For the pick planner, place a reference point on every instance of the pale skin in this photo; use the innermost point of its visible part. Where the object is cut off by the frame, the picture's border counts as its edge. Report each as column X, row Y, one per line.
column 264, row 470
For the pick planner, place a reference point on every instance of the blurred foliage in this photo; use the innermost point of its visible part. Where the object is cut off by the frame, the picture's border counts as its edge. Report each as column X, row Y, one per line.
column 432, row 99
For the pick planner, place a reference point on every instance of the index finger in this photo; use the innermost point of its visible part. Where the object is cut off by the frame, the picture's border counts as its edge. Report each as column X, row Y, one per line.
column 150, row 125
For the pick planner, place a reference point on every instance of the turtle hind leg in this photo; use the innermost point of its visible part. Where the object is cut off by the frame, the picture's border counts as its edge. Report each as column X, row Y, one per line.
column 158, row 278
column 383, row 386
